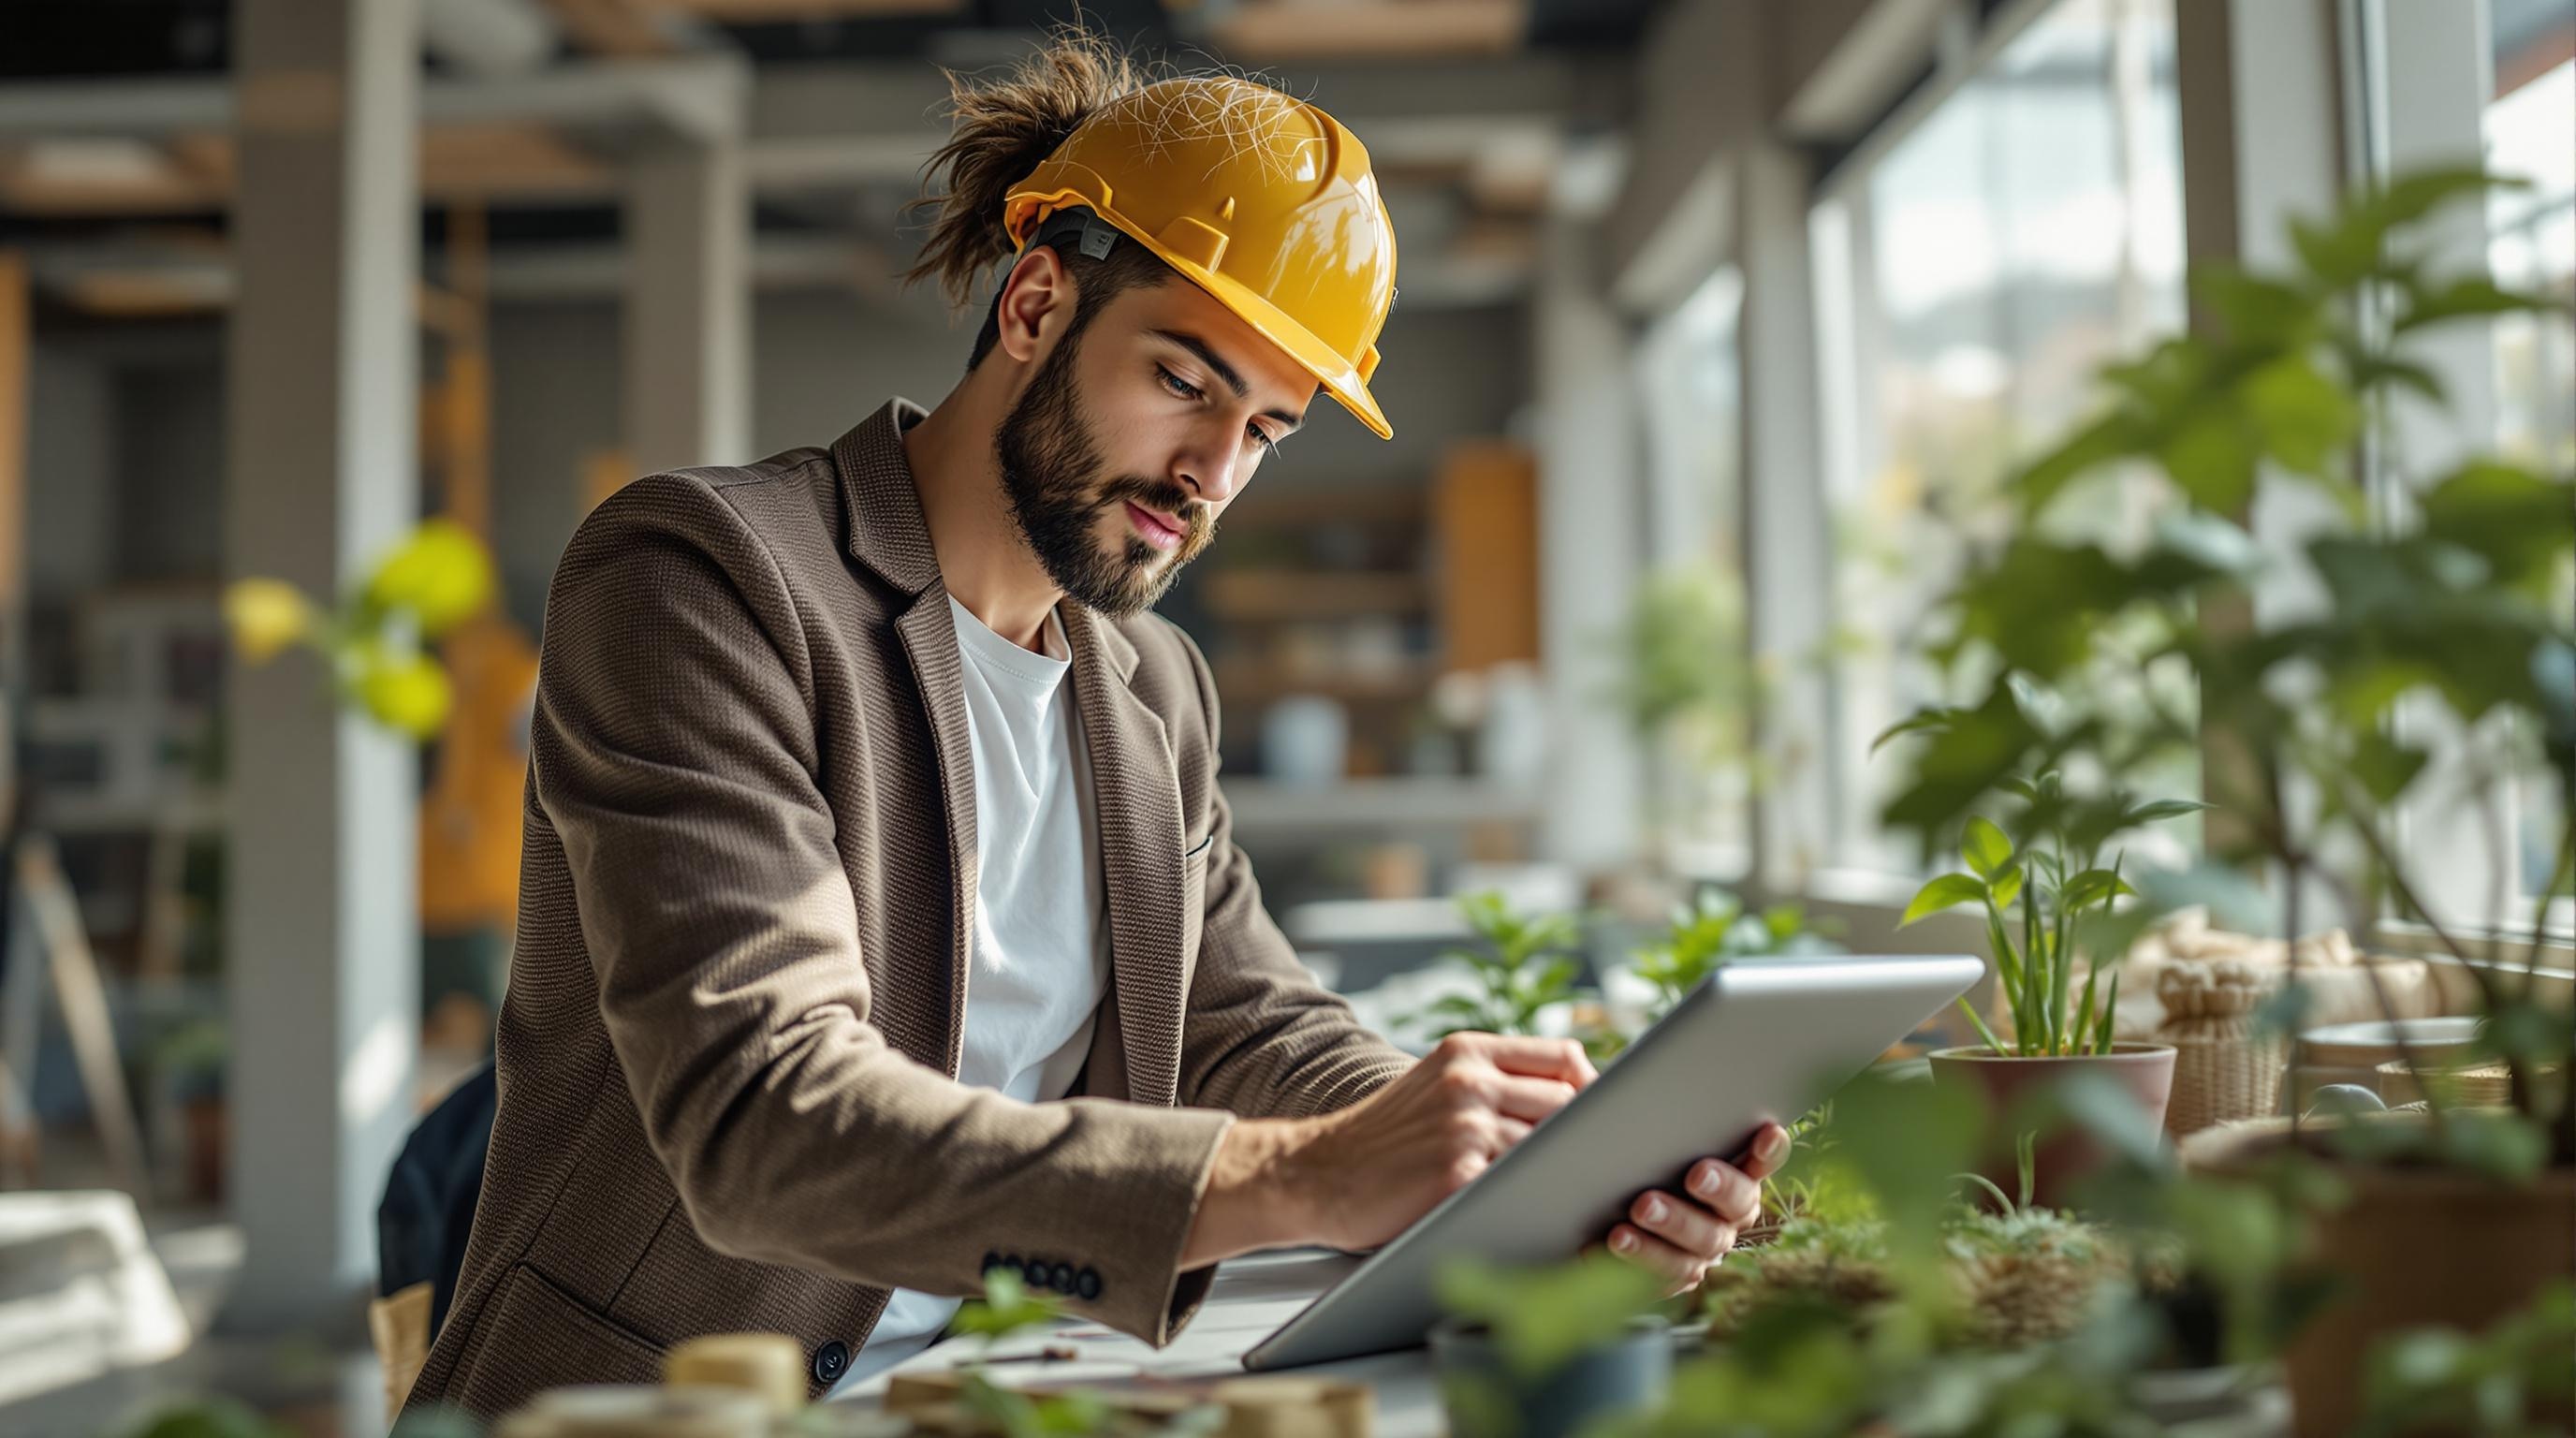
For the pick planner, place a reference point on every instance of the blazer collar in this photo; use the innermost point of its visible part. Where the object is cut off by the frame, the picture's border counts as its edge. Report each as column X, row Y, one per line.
column 883, row 527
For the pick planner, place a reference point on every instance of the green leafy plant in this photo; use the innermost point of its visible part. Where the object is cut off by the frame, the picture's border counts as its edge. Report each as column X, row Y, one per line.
column 1523, row 967
column 2447, row 605
column 373, row 641
column 2048, row 871
column 1542, row 1318
column 2498, row 1384
column 1008, row 1307
column 1715, row 928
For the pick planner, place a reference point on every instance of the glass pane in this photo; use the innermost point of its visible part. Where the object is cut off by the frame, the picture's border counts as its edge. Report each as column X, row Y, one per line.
column 2025, row 231
column 1687, row 368
column 2530, row 133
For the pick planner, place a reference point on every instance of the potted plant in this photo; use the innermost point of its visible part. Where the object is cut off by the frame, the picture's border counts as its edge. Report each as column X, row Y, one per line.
column 2428, row 603
column 2038, row 884
column 1545, row 1353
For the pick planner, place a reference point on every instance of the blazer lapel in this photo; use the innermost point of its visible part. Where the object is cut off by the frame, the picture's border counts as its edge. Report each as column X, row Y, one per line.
column 930, row 639
column 884, row 530
column 1138, row 793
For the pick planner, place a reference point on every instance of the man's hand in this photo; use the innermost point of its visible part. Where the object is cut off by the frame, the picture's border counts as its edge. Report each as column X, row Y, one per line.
column 1678, row 1236
column 1357, row 1178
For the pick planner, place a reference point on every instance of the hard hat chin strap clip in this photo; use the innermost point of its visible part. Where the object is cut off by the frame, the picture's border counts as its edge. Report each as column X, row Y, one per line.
column 1093, row 236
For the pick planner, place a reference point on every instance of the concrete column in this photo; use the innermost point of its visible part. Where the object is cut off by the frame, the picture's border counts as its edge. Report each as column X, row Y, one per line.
column 1591, row 551
column 1785, row 535
column 688, row 305
column 322, row 930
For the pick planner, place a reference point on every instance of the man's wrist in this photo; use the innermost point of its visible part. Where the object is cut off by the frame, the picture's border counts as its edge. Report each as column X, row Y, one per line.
column 1253, row 1199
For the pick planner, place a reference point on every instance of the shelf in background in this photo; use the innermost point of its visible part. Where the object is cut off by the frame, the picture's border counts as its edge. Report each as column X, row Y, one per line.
column 1257, row 594
column 1242, row 682
column 1263, row 808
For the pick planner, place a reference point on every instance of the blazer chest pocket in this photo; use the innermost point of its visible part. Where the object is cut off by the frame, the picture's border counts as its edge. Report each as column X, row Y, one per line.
column 1194, row 874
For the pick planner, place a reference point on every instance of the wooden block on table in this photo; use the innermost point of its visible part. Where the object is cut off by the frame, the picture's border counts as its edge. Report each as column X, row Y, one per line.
column 1260, row 1407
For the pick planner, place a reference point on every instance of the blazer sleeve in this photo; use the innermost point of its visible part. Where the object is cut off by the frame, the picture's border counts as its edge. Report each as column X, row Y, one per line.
column 675, row 750
column 1263, row 1039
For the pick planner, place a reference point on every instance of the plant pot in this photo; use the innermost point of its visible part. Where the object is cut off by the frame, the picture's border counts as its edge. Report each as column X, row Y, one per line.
column 1486, row 1399
column 2065, row 1158
column 2416, row 1246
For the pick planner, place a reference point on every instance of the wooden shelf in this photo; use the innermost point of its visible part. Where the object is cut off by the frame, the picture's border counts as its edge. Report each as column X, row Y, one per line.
column 1259, row 594
column 1401, row 805
column 1240, row 682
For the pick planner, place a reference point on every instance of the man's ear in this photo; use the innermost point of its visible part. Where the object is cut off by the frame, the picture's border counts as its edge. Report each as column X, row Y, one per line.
column 1036, row 303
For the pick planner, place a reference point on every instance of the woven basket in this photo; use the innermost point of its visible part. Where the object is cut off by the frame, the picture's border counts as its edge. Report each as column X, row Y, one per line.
column 2224, row 1070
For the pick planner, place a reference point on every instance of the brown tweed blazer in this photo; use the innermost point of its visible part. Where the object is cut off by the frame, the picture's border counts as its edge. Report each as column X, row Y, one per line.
column 727, row 1053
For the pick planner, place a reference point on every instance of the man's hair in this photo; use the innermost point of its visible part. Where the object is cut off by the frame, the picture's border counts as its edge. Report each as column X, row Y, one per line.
column 1002, row 130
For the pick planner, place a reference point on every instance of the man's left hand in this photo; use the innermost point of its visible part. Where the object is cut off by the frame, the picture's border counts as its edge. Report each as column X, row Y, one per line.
column 1680, row 1235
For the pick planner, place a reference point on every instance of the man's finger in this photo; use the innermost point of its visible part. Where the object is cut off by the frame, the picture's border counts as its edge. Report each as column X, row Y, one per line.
column 1683, row 1224
column 1560, row 1059
column 1726, row 1189
column 1679, row 1269
column 1764, row 1155
column 1531, row 1099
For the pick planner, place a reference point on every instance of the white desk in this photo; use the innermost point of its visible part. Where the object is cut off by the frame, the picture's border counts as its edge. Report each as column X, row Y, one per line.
column 1253, row 1295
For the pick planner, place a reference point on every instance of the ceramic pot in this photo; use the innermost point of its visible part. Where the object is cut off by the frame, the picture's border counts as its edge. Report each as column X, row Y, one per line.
column 2415, row 1246
column 1486, row 1399
column 2068, row 1156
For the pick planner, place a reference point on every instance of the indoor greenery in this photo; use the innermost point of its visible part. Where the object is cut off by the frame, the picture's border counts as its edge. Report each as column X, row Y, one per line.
column 2049, row 870
column 1715, row 928
column 373, row 639
column 1523, row 966
column 2408, row 600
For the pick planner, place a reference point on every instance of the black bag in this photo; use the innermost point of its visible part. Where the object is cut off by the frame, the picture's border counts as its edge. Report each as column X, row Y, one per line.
column 428, row 1208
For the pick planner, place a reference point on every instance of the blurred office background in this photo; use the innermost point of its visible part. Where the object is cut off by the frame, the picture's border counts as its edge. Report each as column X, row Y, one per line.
column 1721, row 323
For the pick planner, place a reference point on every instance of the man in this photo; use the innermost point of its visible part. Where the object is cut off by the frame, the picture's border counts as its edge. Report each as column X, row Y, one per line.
column 881, row 918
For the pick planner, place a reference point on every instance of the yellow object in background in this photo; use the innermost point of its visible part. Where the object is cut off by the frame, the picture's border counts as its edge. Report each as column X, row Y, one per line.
column 769, row 1366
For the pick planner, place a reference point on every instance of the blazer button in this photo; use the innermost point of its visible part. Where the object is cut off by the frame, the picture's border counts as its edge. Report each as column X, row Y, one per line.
column 991, row 1261
column 1035, row 1273
column 1061, row 1280
column 831, row 1361
column 1087, row 1285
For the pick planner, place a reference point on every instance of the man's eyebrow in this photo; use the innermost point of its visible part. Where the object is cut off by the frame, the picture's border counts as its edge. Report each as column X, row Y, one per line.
column 1226, row 372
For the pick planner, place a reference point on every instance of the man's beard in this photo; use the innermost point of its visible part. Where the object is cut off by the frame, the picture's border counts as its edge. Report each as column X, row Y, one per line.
column 1048, row 466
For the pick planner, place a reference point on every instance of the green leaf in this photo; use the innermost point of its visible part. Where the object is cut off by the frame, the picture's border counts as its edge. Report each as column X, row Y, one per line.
column 1927, row 721
column 2156, row 810
column 2464, row 298
column 1985, row 848
column 1946, row 892
column 2305, row 418
column 2006, row 887
column 2211, row 457
column 2520, row 522
column 2256, row 309
column 2383, row 765
column 2112, row 437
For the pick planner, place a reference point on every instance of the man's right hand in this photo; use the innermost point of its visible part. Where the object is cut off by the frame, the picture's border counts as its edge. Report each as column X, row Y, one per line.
column 1357, row 1178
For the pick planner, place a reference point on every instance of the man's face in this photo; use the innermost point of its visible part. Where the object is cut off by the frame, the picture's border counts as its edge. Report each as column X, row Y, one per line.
column 1136, row 432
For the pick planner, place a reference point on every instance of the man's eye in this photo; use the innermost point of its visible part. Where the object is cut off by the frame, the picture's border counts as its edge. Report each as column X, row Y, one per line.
column 1177, row 385
column 1261, row 437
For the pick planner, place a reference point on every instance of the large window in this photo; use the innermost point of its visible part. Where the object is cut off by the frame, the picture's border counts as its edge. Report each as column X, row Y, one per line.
column 1692, row 600
column 2529, row 129
column 1970, row 275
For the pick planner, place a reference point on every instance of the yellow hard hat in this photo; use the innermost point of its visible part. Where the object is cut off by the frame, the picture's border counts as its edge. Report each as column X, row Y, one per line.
column 1263, row 200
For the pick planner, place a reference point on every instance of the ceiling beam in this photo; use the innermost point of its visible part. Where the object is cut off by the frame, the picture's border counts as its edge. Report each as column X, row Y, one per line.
column 1268, row 31
column 693, row 96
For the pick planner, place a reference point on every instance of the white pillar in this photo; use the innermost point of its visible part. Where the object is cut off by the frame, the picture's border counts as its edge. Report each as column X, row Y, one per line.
column 322, row 928
column 1590, row 551
column 1785, row 534
column 688, row 305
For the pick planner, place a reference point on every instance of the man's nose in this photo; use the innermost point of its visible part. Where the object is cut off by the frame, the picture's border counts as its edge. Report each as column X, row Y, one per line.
column 1211, row 471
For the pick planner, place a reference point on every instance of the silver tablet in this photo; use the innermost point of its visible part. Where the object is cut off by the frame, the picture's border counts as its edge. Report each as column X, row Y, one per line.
column 1761, row 1039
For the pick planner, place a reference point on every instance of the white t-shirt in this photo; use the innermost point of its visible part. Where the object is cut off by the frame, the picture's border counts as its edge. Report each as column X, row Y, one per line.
column 1041, row 953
